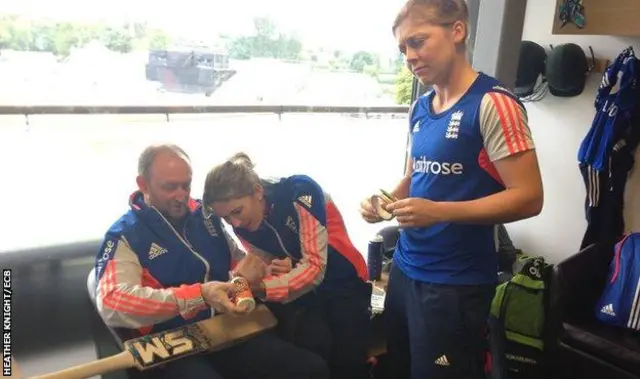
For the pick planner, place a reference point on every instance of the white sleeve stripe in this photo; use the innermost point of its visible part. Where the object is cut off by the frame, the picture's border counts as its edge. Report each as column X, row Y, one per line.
column 634, row 316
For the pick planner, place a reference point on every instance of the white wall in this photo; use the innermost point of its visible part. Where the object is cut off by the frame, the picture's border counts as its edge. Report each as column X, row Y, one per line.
column 558, row 126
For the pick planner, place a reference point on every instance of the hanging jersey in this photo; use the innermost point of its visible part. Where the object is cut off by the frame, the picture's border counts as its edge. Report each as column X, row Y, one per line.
column 452, row 154
column 615, row 100
column 606, row 154
column 620, row 301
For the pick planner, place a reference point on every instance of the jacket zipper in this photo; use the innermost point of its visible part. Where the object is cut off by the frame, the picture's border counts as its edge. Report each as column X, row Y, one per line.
column 188, row 245
column 279, row 240
column 315, row 289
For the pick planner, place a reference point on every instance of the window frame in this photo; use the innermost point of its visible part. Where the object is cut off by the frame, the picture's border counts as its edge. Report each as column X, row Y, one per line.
column 417, row 90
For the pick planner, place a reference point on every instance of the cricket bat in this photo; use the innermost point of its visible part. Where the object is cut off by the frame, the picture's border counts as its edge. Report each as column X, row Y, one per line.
column 155, row 349
column 377, row 201
column 15, row 370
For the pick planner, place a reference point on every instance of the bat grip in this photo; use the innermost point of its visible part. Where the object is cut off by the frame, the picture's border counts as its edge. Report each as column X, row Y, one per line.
column 87, row 370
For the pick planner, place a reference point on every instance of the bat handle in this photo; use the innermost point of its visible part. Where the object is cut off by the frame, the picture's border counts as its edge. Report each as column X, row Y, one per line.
column 87, row 370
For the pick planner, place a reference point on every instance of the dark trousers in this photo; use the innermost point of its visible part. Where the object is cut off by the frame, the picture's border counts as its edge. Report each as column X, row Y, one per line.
column 436, row 331
column 334, row 324
column 263, row 357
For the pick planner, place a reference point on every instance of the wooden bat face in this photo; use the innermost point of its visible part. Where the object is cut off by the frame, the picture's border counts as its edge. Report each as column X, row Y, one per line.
column 389, row 197
column 208, row 335
column 158, row 348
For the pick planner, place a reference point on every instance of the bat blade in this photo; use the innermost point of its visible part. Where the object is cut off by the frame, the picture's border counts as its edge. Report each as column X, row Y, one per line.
column 155, row 349
column 158, row 348
column 208, row 335
column 389, row 197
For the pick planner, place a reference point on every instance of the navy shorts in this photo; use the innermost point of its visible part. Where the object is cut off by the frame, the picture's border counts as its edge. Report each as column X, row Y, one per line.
column 436, row 331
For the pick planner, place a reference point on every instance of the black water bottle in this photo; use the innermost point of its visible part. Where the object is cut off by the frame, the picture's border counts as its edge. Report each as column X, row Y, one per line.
column 374, row 257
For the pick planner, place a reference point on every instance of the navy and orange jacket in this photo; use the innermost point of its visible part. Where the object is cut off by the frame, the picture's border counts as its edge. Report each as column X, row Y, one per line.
column 304, row 224
column 148, row 273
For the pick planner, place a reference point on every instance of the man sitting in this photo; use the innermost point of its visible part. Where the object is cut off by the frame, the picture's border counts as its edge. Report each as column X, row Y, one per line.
column 162, row 265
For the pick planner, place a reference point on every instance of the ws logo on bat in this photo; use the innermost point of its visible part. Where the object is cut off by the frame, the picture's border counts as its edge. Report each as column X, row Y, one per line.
column 160, row 347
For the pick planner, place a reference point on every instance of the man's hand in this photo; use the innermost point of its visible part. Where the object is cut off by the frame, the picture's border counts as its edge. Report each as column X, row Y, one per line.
column 216, row 295
column 415, row 212
column 368, row 213
column 280, row 266
column 251, row 268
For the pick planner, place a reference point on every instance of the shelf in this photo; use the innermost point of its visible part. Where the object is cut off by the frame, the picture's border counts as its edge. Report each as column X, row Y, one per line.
column 603, row 17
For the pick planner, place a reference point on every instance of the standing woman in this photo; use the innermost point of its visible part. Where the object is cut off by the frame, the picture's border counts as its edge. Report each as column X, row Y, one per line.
column 473, row 165
column 316, row 270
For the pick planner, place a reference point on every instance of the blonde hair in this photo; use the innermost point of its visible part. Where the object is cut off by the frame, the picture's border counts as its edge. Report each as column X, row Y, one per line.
column 436, row 12
column 233, row 179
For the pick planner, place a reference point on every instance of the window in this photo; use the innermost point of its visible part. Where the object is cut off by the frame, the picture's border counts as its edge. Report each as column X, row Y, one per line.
column 70, row 175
